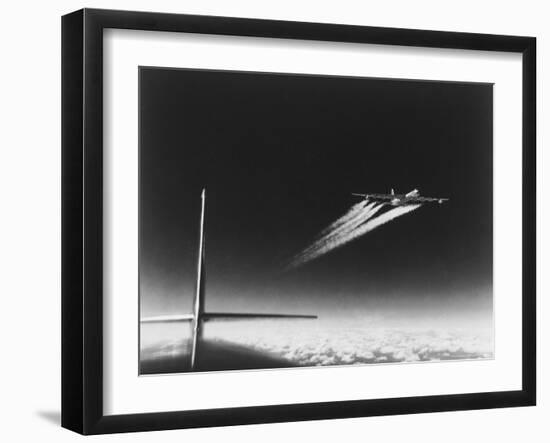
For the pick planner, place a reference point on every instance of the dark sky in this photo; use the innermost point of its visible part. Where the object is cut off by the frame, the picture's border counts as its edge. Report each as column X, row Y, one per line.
column 280, row 155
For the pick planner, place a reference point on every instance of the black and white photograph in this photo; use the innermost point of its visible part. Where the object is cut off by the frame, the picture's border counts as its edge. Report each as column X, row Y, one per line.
column 290, row 220
column 269, row 222
column 283, row 218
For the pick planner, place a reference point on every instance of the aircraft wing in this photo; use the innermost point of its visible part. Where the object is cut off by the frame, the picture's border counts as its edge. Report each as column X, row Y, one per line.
column 426, row 199
column 383, row 197
column 231, row 316
column 167, row 318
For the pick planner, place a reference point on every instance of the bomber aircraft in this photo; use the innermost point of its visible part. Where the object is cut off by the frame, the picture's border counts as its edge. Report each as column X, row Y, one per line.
column 394, row 199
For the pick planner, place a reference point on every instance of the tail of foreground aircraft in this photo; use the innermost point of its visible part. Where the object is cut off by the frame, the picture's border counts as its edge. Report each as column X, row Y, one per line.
column 199, row 315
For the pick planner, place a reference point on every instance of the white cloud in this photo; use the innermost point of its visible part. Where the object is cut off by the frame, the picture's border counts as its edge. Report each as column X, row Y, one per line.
column 316, row 345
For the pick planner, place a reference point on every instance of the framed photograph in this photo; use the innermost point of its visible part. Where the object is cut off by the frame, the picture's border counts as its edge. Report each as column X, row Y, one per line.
column 269, row 221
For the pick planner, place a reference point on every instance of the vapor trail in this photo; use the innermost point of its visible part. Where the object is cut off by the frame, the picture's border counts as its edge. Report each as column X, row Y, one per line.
column 369, row 212
column 351, row 223
column 379, row 221
column 354, row 210
column 348, row 235
column 330, row 242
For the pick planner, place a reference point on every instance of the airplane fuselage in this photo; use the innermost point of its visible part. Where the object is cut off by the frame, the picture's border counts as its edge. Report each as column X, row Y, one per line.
column 394, row 199
column 403, row 199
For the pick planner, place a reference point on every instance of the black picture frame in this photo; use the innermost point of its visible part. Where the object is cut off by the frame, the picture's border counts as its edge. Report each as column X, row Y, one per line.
column 82, row 215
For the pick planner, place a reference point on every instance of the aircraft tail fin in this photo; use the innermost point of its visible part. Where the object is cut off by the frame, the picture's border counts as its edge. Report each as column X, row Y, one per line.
column 199, row 289
column 199, row 316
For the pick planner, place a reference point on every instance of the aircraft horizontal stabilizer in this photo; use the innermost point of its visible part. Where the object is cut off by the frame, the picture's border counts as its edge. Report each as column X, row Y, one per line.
column 221, row 316
column 167, row 318
column 228, row 316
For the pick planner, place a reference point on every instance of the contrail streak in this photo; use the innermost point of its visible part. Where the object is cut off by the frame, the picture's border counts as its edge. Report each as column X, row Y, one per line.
column 366, row 215
column 353, row 229
column 379, row 221
column 331, row 242
column 354, row 210
column 347, row 226
column 350, row 224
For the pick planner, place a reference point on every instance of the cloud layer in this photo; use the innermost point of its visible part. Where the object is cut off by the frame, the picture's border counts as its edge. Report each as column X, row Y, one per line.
column 320, row 344
column 314, row 346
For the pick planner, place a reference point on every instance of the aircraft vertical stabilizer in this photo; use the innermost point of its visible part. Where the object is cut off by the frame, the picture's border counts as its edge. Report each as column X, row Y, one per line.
column 199, row 289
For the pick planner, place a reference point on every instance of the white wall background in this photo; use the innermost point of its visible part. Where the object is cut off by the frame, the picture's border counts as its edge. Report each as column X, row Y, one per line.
column 30, row 218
